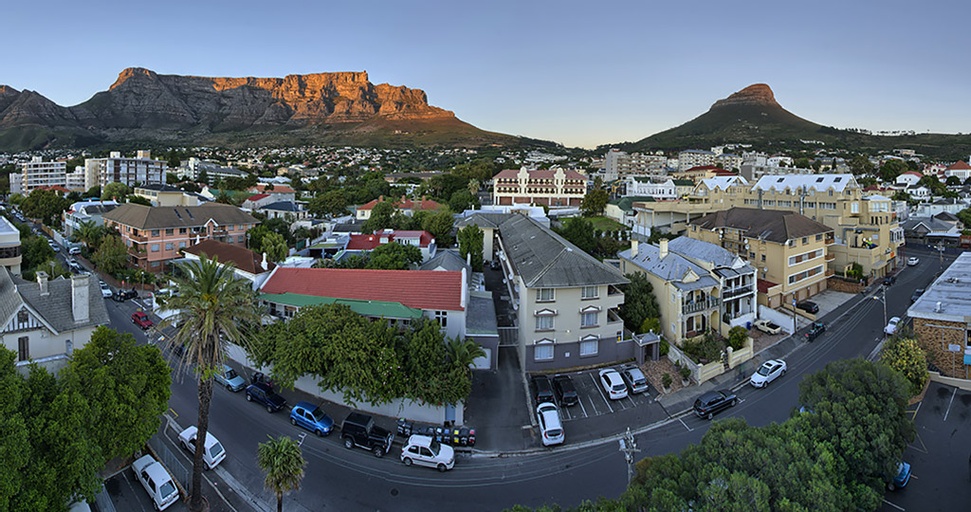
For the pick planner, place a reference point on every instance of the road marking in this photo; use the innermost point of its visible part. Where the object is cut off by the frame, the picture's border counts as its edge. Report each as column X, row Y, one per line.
column 949, row 403
column 894, row 506
column 600, row 388
column 581, row 408
column 686, row 425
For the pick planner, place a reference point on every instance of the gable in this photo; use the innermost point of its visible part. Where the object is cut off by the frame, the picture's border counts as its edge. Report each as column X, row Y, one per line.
column 25, row 319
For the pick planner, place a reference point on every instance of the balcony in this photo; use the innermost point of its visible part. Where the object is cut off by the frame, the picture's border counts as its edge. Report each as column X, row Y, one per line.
column 702, row 305
column 137, row 238
column 735, row 292
column 830, row 256
column 830, row 240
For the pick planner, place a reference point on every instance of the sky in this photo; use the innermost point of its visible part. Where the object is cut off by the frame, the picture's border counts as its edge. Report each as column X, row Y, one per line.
column 579, row 73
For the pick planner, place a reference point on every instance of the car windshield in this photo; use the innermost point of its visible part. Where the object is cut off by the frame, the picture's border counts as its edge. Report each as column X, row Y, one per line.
column 317, row 414
column 231, row 374
column 765, row 370
column 435, row 447
column 216, row 450
column 167, row 489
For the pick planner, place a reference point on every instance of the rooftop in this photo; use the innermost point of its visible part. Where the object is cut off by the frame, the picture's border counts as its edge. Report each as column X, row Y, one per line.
column 816, row 182
column 949, row 297
column 772, row 225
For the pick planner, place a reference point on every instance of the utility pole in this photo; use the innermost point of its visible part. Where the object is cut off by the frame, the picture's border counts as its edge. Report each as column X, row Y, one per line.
column 629, row 446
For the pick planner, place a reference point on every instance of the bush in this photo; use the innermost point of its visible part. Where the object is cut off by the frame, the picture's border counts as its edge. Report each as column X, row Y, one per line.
column 685, row 372
column 665, row 347
column 666, row 380
column 705, row 350
column 737, row 336
column 905, row 355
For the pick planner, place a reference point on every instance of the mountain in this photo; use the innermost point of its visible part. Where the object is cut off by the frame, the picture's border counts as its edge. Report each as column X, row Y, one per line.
column 144, row 106
column 753, row 116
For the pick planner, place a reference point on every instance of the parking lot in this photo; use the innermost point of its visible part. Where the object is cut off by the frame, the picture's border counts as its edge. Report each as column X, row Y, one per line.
column 593, row 399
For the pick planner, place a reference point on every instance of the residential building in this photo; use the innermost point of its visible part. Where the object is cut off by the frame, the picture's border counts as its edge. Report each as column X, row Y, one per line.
column 620, row 164
column 140, row 170
column 156, row 235
column 753, row 172
column 659, row 189
column 699, row 286
column 788, row 250
column 46, row 320
column 932, row 231
column 404, row 206
column 359, row 244
column 555, row 188
column 16, row 183
column 278, row 191
column 960, row 169
column 909, row 178
column 39, row 174
column 76, row 179
column 193, row 169
column 287, row 210
column 166, row 195
column 942, row 319
column 695, row 158
column 10, row 252
column 85, row 211
column 728, row 161
column 247, row 264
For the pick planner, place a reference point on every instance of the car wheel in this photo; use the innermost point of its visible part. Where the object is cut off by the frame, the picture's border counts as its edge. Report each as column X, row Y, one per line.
column 783, row 372
column 269, row 409
column 891, row 486
column 710, row 415
column 407, row 461
column 249, row 397
column 734, row 401
column 184, row 446
column 348, row 443
column 229, row 387
column 319, row 433
column 293, row 422
column 441, row 468
column 378, row 452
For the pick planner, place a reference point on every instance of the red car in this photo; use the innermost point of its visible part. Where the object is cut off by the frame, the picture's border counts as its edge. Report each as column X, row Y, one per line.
column 141, row 319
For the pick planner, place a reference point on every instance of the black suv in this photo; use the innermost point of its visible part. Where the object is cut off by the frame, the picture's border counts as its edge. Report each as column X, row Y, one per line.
column 808, row 306
column 714, row 401
column 263, row 394
column 542, row 389
column 565, row 391
column 815, row 330
column 359, row 430
column 889, row 280
column 123, row 295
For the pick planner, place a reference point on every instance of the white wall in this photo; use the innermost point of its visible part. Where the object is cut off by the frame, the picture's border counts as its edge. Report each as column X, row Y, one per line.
column 783, row 319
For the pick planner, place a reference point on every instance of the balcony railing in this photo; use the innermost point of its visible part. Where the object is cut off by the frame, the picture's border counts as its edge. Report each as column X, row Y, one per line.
column 138, row 238
column 830, row 256
column 734, row 292
column 694, row 307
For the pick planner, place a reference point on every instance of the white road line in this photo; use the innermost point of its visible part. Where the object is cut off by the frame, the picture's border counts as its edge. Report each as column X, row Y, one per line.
column 949, row 403
column 600, row 388
column 686, row 425
column 894, row 506
column 581, row 408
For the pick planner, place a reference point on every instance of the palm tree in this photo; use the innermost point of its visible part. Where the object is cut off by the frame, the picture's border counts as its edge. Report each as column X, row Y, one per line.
column 213, row 306
column 283, row 463
column 89, row 234
column 463, row 352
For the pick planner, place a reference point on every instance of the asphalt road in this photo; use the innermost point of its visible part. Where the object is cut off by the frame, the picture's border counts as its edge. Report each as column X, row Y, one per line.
column 351, row 480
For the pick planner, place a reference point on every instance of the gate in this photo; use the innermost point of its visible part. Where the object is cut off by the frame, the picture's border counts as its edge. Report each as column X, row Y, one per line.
column 508, row 336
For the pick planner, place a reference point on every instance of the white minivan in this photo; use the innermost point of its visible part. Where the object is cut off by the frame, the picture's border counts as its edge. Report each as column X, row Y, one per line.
column 214, row 454
column 156, row 481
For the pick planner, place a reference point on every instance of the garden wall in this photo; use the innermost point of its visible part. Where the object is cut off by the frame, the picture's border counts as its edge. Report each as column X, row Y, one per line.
column 782, row 319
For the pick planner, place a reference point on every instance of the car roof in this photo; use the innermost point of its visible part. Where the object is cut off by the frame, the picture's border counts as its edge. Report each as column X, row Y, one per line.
column 151, row 466
column 634, row 371
column 306, row 405
column 420, row 440
column 894, row 319
column 262, row 385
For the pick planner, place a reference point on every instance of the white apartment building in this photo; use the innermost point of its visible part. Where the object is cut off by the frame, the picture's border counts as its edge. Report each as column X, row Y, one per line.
column 37, row 173
column 76, row 180
column 695, row 158
column 662, row 189
column 620, row 164
column 141, row 170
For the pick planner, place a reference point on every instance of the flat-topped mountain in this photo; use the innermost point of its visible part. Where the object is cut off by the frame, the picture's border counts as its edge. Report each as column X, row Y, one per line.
column 142, row 105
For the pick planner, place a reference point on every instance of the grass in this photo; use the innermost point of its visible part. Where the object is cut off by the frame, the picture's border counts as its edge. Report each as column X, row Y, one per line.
column 605, row 224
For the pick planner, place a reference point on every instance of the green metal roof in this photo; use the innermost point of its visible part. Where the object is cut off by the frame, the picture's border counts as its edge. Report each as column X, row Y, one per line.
column 627, row 203
column 370, row 308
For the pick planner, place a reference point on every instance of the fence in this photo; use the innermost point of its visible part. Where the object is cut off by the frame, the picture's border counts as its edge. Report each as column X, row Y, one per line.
column 699, row 372
column 171, row 462
column 737, row 357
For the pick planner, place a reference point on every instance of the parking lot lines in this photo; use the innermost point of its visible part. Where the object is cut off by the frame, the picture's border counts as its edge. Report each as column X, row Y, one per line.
column 600, row 389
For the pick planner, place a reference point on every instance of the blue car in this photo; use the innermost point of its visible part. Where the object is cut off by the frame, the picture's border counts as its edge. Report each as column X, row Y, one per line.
column 229, row 378
column 901, row 478
column 312, row 418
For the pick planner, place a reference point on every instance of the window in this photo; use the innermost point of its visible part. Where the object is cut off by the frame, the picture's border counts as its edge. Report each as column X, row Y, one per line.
column 589, row 346
column 442, row 318
column 544, row 295
column 544, row 323
column 588, row 319
column 169, row 246
column 155, row 264
column 169, row 231
column 590, row 292
column 22, row 316
column 155, row 247
column 182, row 231
column 763, row 258
column 231, row 227
column 23, row 348
column 543, row 351
column 240, row 238
column 805, row 240
column 819, row 238
column 155, row 232
column 182, row 245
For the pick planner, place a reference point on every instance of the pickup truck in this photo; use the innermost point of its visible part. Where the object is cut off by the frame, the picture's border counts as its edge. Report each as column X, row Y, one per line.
column 214, row 453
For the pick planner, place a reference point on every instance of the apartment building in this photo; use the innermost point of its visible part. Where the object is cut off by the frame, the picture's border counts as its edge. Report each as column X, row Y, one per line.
column 10, row 253
column 789, row 250
column 555, row 188
column 620, row 164
column 38, row 174
column 140, row 170
column 85, row 211
column 166, row 195
column 942, row 319
column 695, row 158
column 155, row 235
column 698, row 285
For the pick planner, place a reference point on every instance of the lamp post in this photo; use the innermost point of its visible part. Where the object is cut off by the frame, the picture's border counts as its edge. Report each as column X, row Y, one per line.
column 884, row 301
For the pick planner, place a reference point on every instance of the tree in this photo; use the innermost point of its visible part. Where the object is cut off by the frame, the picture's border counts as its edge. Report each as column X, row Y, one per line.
column 136, row 199
column 594, row 202
column 381, row 217
column 89, row 234
column 470, row 242
column 331, row 203
column 35, row 251
column 94, row 192
column 112, row 255
column 275, row 247
column 214, row 309
column 906, row 356
column 462, row 200
column 440, row 225
column 46, row 205
column 115, row 191
column 639, row 302
column 394, row 256
column 965, row 217
column 952, row 181
column 282, row 461
column 579, row 232
column 171, row 178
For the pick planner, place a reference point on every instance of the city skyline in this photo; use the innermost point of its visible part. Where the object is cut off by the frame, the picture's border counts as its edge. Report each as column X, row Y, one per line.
column 570, row 72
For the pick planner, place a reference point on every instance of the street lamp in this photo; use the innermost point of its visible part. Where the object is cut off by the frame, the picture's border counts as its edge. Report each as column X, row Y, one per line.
column 884, row 301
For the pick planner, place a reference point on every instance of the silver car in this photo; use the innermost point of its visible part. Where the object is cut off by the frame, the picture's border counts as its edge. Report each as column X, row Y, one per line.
column 635, row 379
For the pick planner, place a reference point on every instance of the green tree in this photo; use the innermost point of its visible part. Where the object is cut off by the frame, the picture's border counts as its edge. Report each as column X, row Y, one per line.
column 579, row 232
column 639, row 302
column 89, row 234
column 440, row 224
column 111, row 256
column 462, row 353
column 116, row 191
column 214, row 309
column 965, row 217
column 462, row 200
column 470, row 242
column 860, row 164
column 135, row 199
column 275, row 247
column 127, row 386
column 394, row 256
column 381, row 217
column 594, row 202
column 906, row 356
column 35, row 251
column 46, row 205
column 171, row 178
column 282, row 461
column 331, row 203
column 94, row 192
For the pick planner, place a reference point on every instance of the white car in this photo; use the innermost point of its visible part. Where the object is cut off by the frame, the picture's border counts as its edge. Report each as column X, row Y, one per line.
column 892, row 325
column 613, row 384
column 767, row 327
column 74, row 250
column 912, row 261
column 426, row 451
column 214, row 454
column 105, row 290
column 156, row 481
column 550, row 426
column 768, row 372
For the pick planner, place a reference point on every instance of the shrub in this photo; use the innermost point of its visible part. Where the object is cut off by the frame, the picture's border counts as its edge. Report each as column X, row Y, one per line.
column 704, row 350
column 905, row 355
column 685, row 372
column 666, row 380
column 665, row 347
column 737, row 336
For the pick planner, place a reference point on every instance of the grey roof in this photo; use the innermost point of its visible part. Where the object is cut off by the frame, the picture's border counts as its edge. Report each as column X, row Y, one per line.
column 483, row 220
column 282, row 206
column 10, row 299
column 480, row 315
column 947, row 216
column 160, row 187
column 772, row 225
column 156, row 217
column 544, row 259
column 447, row 260
column 931, row 223
column 952, row 290
column 672, row 268
column 699, row 250
column 55, row 307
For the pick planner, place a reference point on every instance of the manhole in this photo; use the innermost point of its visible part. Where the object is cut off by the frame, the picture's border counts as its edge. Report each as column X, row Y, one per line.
column 394, row 491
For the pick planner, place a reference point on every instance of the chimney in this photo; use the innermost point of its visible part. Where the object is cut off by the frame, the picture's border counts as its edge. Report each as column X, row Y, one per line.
column 264, row 264
column 663, row 244
column 633, row 248
column 42, row 282
column 79, row 298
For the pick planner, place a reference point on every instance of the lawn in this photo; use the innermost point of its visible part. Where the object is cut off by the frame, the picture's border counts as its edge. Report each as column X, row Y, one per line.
column 605, row 224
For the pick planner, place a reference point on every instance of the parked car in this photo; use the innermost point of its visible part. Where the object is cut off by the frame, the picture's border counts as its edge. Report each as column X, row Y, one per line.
column 54, row 246
column 359, row 430
column 426, row 451
column 229, row 378
column 635, row 379
column 613, row 384
column 768, row 372
column 550, row 426
column 892, row 325
column 713, row 402
column 214, row 452
column 566, row 392
column 901, row 479
column 74, row 266
column 808, row 306
column 889, row 280
column 142, row 320
column 542, row 389
column 768, row 326
column 123, row 295
column 312, row 418
column 156, row 481
column 917, row 293
column 262, row 394
column 815, row 330
column 912, row 261
column 74, row 250
column 105, row 290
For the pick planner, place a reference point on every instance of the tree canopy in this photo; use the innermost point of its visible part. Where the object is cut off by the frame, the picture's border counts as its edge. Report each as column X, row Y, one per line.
column 394, row 256
column 639, row 302
column 46, row 205
column 470, row 242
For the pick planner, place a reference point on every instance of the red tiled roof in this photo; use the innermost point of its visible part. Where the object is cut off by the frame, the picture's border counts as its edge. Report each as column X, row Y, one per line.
column 960, row 165
column 260, row 188
column 369, row 242
column 257, row 197
column 429, row 290
column 404, row 204
column 765, row 285
column 55, row 188
column 705, row 168
column 914, row 173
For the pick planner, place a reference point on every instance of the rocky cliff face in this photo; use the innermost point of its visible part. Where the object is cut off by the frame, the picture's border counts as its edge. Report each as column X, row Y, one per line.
column 756, row 94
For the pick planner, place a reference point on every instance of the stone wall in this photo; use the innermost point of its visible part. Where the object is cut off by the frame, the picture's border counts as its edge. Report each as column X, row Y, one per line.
column 841, row 285
column 934, row 337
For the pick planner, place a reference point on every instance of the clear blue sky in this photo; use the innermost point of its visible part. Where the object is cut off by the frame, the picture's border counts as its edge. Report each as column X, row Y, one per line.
column 580, row 73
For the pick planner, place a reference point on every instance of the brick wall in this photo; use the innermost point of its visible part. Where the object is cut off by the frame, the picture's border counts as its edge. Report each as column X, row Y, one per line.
column 935, row 340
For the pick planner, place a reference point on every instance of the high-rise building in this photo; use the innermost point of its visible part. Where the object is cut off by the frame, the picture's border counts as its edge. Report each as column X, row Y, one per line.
column 37, row 173
column 140, row 170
